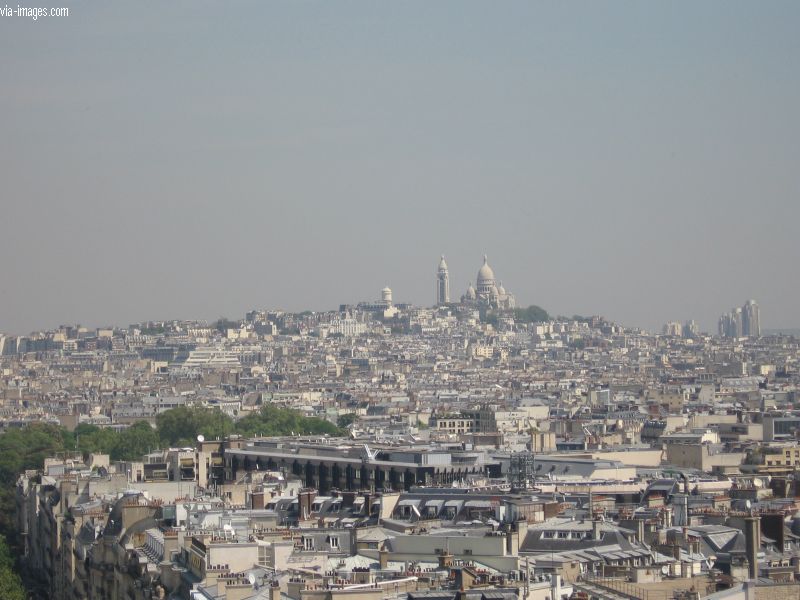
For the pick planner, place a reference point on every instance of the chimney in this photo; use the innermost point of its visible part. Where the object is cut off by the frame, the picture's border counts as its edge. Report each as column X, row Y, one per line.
column 306, row 499
column 597, row 529
column 383, row 558
column 445, row 558
column 555, row 586
column 512, row 540
column 680, row 506
column 464, row 580
column 257, row 500
column 752, row 532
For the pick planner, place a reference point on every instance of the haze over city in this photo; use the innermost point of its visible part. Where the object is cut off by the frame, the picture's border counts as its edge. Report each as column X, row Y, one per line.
column 195, row 160
column 399, row 300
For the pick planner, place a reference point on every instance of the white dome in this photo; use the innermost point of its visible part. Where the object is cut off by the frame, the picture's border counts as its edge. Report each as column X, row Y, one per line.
column 485, row 273
column 471, row 292
column 501, row 290
column 442, row 264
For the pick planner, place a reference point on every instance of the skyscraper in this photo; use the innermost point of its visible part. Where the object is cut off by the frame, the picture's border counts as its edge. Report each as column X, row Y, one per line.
column 690, row 329
column 751, row 319
column 736, row 324
column 442, row 284
column 741, row 322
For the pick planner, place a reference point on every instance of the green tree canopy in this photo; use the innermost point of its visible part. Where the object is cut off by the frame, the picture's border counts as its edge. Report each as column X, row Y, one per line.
column 272, row 420
column 21, row 449
column 346, row 420
column 532, row 314
column 90, row 439
column 26, row 448
column 10, row 583
column 223, row 324
column 181, row 426
column 135, row 441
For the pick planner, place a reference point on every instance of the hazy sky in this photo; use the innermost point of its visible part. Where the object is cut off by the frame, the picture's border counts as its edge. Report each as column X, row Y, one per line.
column 190, row 160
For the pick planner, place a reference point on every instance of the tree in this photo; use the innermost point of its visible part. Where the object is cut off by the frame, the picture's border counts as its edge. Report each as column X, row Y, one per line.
column 89, row 439
column 317, row 426
column 10, row 583
column 223, row 324
column 346, row 420
column 181, row 426
column 532, row 314
column 271, row 420
column 490, row 317
column 26, row 448
column 135, row 441
column 20, row 449
column 581, row 319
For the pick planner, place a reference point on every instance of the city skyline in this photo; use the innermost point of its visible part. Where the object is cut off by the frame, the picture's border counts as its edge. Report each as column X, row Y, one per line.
column 631, row 162
column 454, row 300
column 442, row 296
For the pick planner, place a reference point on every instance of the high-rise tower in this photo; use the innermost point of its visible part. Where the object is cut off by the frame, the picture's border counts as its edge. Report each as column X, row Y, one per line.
column 744, row 321
column 751, row 319
column 442, row 284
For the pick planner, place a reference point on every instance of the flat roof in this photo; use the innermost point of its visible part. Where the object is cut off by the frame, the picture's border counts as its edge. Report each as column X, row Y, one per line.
column 354, row 461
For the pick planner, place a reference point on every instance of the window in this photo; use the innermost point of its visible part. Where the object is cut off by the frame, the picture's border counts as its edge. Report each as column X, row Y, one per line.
column 308, row 543
column 333, row 541
column 468, row 551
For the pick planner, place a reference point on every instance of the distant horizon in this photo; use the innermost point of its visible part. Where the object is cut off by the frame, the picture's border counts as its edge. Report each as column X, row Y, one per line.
column 241, row 317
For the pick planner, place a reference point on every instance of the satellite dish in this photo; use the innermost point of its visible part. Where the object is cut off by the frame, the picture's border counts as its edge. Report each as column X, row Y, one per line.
column 748, row 505
column 201, row 438
column 251, row 578
column 665, row 570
